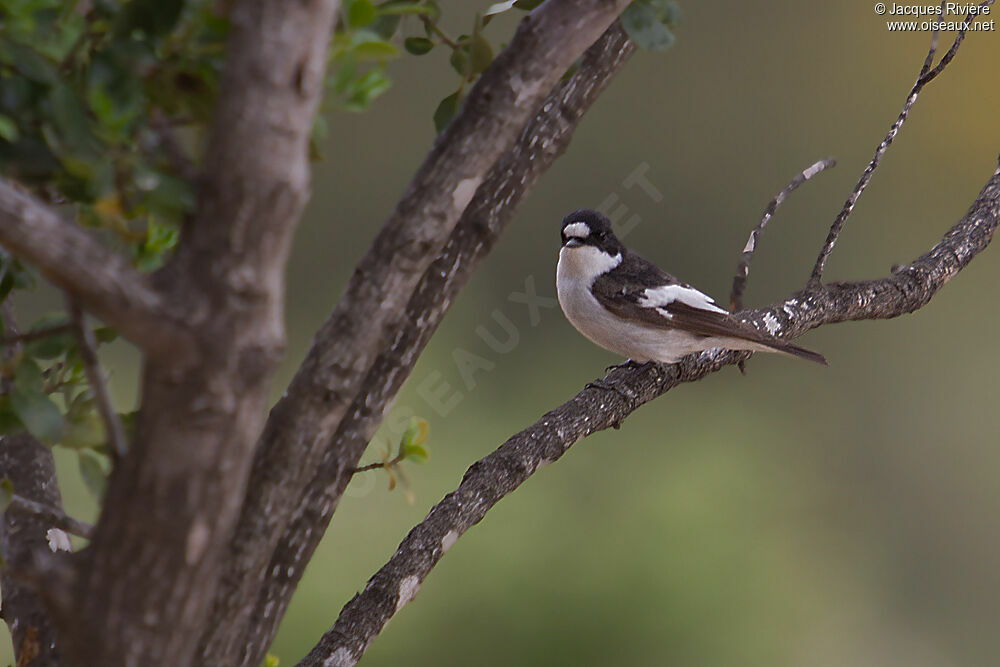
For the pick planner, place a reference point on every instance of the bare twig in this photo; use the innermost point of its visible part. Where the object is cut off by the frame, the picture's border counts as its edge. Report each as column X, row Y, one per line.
column 92, row 366
column 743, row 269
column 51, row 515
column 926, row 76
column 623, row 390
column 72, row 259
column 37, row 334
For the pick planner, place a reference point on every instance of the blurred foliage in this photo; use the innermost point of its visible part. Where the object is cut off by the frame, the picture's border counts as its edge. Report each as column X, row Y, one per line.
column 412, row 447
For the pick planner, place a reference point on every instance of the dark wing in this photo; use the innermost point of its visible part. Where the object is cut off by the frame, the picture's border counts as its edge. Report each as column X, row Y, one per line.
column 623, row 291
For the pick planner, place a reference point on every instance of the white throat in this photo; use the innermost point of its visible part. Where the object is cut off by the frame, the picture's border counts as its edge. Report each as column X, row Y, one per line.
column 583, row 264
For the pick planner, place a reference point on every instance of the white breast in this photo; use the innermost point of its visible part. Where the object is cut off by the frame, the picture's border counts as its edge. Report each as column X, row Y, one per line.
column 578, row 268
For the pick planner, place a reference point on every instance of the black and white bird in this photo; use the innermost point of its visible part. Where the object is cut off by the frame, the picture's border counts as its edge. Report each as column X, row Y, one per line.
column 628, row 305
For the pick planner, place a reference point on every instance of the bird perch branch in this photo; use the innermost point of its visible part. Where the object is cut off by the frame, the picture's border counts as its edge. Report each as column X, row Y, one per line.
column 905, row 290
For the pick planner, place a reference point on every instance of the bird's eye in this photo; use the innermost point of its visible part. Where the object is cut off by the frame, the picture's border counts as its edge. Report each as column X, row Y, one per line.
column 601, row 235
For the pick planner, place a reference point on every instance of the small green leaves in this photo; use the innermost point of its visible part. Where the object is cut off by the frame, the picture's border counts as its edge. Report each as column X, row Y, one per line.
column 480, row 53
column 151, row 253
column 361, row 12
column 648, row 23
column 410, row 445
column 446, row 110
column 411, row 448
column 8, row 129
column 32, row 405
column 94, row 473
column 271, row 660
column 418, row 46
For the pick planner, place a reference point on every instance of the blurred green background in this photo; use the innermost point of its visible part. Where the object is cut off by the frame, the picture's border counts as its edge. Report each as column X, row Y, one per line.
column 796, row 516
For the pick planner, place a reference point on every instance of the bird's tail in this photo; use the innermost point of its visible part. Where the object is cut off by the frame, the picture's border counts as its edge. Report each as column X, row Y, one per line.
column 796, row 351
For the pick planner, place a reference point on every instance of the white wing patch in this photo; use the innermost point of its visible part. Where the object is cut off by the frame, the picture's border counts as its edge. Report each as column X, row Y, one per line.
column 580, row 230
column 659, row 297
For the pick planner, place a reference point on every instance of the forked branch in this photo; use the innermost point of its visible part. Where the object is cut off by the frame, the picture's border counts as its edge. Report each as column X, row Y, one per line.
column 926, row 76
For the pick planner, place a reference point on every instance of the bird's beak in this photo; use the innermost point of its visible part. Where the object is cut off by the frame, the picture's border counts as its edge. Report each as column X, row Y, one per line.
column 573, row 243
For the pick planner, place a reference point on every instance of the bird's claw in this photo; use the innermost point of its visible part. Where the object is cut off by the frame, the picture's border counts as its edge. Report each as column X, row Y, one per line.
column 628, row 363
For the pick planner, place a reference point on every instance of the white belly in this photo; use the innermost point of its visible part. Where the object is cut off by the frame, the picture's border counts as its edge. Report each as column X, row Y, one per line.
column 637, row 342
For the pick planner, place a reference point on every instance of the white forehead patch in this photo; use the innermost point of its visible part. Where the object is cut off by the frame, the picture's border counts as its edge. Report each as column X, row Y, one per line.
column 580, row 230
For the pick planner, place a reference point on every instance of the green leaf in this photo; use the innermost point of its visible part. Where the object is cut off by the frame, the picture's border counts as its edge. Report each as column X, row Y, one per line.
column 415, row 434
column 85, row 429
column 418, row 46
column 364, row 91
column 643, row 22
column 396, row 8
column 9, row 421
column 446, row 110
column 480, row 53
column 6, row 494
column 271, row 660
column 361, row 12
column 367, row 45
column 105, row 334
column 459, row 61
column 153, row 17
column 34, row 408
column 417, row 454
column 8, row 128
column 93, row 473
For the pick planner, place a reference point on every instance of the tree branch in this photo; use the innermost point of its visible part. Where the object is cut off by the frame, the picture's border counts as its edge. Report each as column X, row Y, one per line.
column 31, row 469
column 92, row 367
column 594, row 409
column 251, row 586
column 147, row 581
column 49, row 514
column 926, row 76
column 72, row 259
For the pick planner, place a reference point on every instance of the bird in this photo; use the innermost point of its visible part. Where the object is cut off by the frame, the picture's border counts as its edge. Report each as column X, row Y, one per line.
column 627, row 305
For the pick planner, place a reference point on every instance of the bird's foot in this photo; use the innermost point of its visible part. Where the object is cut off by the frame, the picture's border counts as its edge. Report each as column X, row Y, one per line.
column 628, row 363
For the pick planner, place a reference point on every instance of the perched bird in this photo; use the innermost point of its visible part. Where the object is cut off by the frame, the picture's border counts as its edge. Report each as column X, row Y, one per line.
column 630, row 306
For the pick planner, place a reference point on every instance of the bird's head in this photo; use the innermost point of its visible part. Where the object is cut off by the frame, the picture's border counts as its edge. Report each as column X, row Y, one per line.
column 585, row 227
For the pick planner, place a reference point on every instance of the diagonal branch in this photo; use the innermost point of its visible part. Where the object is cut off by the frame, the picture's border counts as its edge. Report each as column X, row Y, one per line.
column 907, row 289
column 926, row 76
column 73, row 260
column 92, row 367
column 373, row 317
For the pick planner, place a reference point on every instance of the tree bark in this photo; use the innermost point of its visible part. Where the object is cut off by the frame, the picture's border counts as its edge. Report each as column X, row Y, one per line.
column 29, row 466
column 145, row 586
column 373, row 313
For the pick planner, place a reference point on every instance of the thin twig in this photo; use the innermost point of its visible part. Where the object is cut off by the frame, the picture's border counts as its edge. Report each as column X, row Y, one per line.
column 743, row 269
column 88, row 352
column 49, row 514
column 36, row 334
column 433, row 27
column 926, row 76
